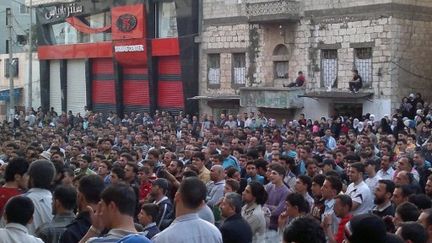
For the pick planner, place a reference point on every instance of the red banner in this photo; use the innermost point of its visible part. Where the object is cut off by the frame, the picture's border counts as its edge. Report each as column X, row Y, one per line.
column 81, row 26
column 128, row 22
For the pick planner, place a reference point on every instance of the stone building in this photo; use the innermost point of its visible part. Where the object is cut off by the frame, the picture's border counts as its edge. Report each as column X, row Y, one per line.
column 250, row 48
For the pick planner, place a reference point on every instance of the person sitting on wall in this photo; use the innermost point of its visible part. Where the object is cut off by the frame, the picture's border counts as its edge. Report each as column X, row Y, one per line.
column 298, row 82
column 356, row 83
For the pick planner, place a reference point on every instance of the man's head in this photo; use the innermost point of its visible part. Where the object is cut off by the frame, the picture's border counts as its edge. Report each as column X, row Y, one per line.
column 405, row 164
column 217, row 173
column 16, row 171
column 117, row 201
column 277, row 173
column 41, row 174
column 412, row 232
column 365, row 228
column 117, row 174
column 303, row 184
column 304, row 230
column 406, row 212
column 251, row 169
column 428, row 187
column 198, row 160
column 191, row 194
column 401, row 194
column 403, row 178
column 231, row 204
column 331, row 187
column 84, row 161
column 175, row 167
column 64, row 199
column 342, row 206
column 425, row 219
column 159, row 188
column 89, row 190
column 148, row 214
column 19, row 210
column 131, row 170
column 384, row 191
column 356, row 171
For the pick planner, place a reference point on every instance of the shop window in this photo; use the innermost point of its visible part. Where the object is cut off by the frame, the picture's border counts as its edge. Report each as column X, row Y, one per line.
column 213, row 70
column 329, row 68
column 166, row 20
column 363, row 63
column 239, row 69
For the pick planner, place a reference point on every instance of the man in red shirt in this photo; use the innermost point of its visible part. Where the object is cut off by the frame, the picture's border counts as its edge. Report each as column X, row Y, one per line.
column 16, row 180
column 144, row 174
column 342, row 208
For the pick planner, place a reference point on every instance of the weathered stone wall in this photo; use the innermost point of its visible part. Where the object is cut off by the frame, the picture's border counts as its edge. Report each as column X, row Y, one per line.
column 222, row 9
column 412, row 58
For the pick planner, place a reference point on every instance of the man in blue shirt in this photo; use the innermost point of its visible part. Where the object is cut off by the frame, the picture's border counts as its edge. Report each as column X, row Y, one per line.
column 252, row 174
column 229, row 160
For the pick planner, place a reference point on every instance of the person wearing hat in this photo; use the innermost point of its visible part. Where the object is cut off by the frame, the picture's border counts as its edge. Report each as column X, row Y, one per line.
column 166, row 210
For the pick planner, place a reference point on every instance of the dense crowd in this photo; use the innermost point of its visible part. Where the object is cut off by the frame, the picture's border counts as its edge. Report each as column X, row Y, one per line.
column 96, row 177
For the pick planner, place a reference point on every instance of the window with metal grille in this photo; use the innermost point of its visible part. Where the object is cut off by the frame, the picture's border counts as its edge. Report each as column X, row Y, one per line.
column 213, row 70
column 329, row 68
column 239, row 69
column 363, row 63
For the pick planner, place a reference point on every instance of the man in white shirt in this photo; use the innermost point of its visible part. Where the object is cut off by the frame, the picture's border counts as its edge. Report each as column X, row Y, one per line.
column 358, row 190
column 386, row 172
column 373, row 177
column 18, row 213
column 188, row 227
column 41, row 174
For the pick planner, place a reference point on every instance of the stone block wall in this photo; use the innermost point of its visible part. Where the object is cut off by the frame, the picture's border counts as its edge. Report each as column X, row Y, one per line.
column 222, row 8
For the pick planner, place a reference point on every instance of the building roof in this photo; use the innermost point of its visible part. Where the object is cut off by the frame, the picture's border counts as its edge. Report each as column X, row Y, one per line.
column 216, row 97
column 337, row 95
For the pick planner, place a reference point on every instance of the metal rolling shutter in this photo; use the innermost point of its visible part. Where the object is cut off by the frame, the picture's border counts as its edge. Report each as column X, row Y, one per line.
column 76, row 86
column 135, row 89
column 55, row 89
column 103, row 89
column 170, row 86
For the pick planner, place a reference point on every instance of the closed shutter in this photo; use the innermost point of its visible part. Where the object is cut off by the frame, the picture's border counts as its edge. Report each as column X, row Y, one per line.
column 103, row 88
column 170, row 86
column 55, row 88
column 135, row 89
column 76, row 86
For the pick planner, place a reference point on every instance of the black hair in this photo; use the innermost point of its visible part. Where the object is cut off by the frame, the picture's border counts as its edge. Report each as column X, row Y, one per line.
column 193, row 192
column 91, row 187
column 119, row 171
column 15, row 166
column 19, row 209
column 359, row 166
column 319, row 179
column 298, row 200
column 421, row 201
column 414, row 232
column 335, row 182
column 199, row 155
column 405, row 189
column 41, row 174
column 408, row 212
column 390, row 185
column 259, row 192
column 304, row 230
column 123, row 197
column 345, row 200
column 306, row 180
column 67, row 195
column 151, row 209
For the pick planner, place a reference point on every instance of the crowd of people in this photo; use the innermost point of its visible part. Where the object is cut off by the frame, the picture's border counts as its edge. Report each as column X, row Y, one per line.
column 244, row 178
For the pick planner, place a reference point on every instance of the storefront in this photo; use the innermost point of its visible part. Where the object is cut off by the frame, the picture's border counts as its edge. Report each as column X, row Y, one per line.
column 119, row 55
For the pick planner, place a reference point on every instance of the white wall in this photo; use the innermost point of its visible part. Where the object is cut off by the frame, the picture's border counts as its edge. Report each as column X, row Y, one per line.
column 315, row 109
column 378, row 107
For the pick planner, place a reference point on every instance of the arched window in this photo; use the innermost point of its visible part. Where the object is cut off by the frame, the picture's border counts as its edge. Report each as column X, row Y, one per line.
column 280, row 61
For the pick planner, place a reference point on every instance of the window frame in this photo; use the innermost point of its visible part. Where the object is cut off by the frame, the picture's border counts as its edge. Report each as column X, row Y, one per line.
column 217, row 57
column 367, row 79
column 234, row 84
column 322, row 55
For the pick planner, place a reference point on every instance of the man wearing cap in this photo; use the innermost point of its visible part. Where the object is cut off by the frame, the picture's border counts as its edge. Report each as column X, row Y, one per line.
column 166, row 209
column 188, row 227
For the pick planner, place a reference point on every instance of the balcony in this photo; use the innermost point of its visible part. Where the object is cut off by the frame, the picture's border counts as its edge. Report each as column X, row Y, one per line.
column 273, row 11
column 270, row 97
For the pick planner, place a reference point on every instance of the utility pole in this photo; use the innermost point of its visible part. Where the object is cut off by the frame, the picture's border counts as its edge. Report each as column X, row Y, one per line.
column 11, row 68
column 30, row 60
